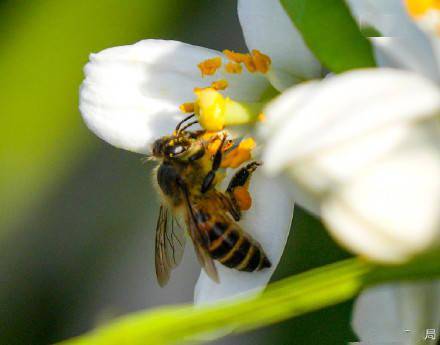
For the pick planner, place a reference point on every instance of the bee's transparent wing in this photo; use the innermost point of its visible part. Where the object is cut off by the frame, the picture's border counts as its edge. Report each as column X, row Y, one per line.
column 203, row 256
column 170, row 244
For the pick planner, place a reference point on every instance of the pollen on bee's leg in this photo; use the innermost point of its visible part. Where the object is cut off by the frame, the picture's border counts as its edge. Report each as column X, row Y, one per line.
column 243, row 198
column 210, row 66
column 242, row 153
column 187, row 107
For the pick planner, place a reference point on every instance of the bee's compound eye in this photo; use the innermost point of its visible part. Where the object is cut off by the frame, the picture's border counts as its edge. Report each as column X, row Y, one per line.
column 158, row 147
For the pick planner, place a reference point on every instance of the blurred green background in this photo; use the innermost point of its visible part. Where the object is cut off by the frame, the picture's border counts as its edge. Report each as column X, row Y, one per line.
column 77, row 215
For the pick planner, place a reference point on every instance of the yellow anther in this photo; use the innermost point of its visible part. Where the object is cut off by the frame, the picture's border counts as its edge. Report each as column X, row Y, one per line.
column 210, row 107
column 262, row 62
column 239, row 155
column 419, row 7
column 236, row 57
column 246, row 59
column 261, row 117
column 220, row 84
column 187, row 107
column 243, row 198
column 254, row 62
column 233, row 68
column 210, row 66
column 216, row 85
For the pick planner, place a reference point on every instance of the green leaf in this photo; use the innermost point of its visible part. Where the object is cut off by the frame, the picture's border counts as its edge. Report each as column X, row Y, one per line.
column 331, row 33
column 290, row 297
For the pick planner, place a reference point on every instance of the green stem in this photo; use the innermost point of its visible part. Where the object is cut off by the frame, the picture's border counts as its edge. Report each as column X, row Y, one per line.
column 290, row 297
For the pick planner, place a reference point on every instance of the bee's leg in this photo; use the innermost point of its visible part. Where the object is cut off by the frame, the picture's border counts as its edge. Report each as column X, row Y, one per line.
column 241, row 180
column 217, row 160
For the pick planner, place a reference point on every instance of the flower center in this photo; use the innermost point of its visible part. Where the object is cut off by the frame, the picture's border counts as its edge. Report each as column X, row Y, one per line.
column 213, row 110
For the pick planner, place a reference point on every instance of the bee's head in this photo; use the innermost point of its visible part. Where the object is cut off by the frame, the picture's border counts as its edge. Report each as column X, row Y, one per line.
column 175, row 146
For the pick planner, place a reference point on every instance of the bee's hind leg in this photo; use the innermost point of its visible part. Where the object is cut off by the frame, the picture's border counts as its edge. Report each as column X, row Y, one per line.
column 238, row 187
column 242, row 176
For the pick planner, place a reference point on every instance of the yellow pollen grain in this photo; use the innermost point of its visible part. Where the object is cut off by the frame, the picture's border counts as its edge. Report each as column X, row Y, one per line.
column 210, row 66
column 233, row 68
column 418, row 8
column 187, row 107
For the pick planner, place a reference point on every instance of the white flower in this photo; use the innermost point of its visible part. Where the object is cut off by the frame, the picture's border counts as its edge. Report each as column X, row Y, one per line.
column 365, row 146
column 131, row 96
column 399, row 313
column 402, row 313
column 411, row 38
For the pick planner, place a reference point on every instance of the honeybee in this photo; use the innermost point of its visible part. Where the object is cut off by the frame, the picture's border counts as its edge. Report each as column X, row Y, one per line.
column 187, row 178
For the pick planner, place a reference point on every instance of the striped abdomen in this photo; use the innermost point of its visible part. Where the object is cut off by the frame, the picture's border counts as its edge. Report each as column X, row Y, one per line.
column 233, row 248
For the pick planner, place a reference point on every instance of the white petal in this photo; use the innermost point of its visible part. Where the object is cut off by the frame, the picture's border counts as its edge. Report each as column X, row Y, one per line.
column 406, row 45
column 131, row 94
column 345, row 107
column 268, row 221
column 389, row 212
column 399, row 52
column 267, row 27
column 389, row 17
column 280, row 110
column 398, row 313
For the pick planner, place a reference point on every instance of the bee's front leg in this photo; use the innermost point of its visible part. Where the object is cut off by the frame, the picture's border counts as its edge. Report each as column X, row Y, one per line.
column 238, row 186
column 217, row 160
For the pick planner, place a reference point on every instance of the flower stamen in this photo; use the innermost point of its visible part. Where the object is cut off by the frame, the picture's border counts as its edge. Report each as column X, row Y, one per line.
column 187, row 107
column 210, row 66
column 233, row 68
column 214, row 111
column 254, row 62
column 221, row 84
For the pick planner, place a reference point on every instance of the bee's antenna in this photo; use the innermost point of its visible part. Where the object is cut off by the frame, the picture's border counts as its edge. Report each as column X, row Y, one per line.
column 188, row 125
column 183, row 121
